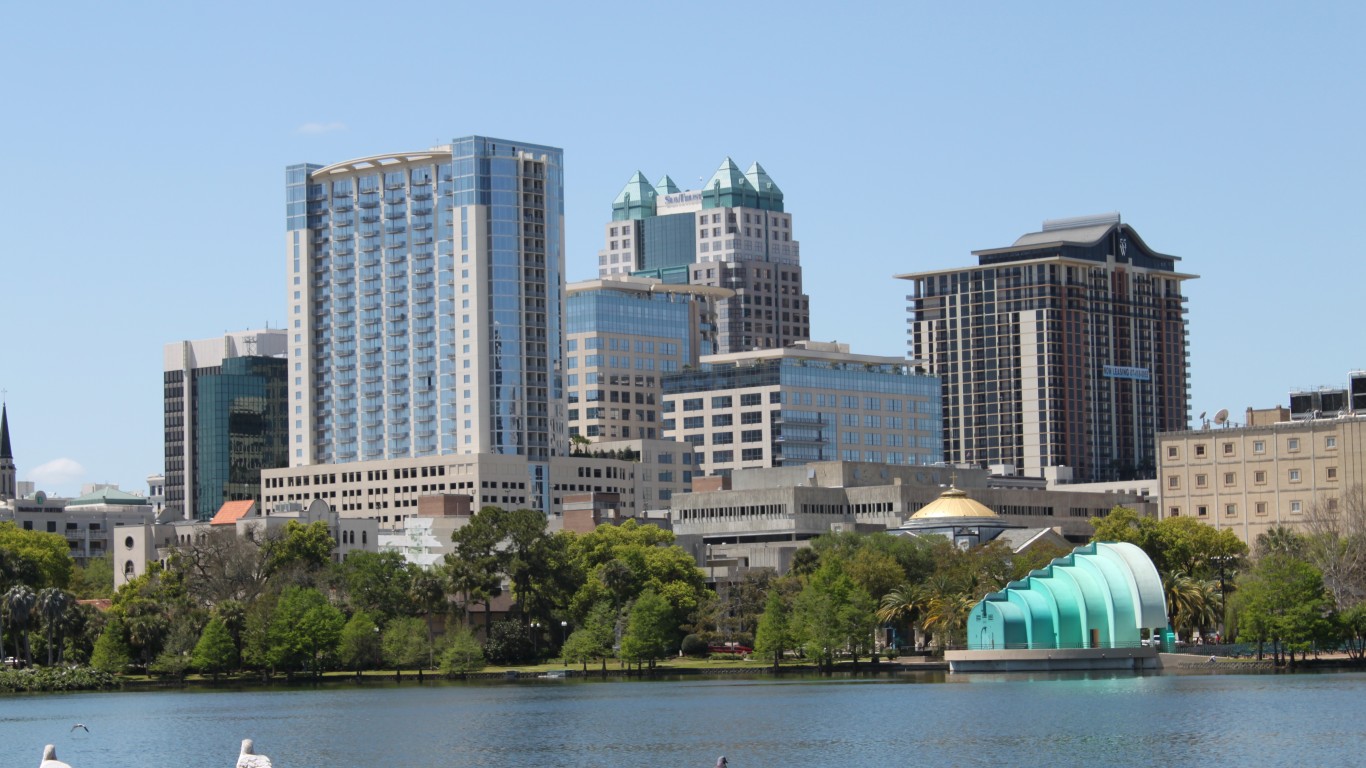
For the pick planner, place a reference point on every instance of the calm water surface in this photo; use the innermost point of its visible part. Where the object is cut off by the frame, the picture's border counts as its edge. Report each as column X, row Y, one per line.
column 1032, row 720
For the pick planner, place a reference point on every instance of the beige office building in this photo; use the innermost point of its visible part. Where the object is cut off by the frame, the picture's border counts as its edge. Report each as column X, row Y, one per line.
column 389, row 490
column 1253, row 478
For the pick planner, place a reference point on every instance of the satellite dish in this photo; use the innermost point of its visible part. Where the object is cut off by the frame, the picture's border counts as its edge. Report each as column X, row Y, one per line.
column 1202, row 415
column 1221, row 417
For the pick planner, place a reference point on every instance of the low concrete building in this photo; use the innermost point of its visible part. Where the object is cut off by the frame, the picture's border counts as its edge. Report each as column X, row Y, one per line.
column 759, row 518
column 87, row 521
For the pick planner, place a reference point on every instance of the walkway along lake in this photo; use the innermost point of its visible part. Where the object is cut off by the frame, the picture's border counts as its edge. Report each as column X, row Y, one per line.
column 923, row 719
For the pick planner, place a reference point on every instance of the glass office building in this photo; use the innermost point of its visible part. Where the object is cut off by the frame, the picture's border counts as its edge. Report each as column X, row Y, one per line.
column 425, row 293
column 241, row 428
column 809, row 402
column 624, row 334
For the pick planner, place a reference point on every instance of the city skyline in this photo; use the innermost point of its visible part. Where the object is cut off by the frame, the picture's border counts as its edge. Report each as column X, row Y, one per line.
column 915, row 136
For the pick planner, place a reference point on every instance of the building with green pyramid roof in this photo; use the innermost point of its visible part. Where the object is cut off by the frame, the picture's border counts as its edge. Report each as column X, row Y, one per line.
column 732, row 233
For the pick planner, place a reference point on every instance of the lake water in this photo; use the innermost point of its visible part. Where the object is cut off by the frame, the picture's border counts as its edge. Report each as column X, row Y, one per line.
column 929, row 719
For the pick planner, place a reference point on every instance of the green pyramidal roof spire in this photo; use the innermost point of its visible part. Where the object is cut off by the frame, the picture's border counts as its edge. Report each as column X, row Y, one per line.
column 5, row 452
column 666, row 186
column 770, row 197
column 636, row 201
column 729, row 188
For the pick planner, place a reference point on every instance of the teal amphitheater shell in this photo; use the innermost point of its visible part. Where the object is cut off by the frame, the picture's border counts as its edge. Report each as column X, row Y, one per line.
column 1099, row 596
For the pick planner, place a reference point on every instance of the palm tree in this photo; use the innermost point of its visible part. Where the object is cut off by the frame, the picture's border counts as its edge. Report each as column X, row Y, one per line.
column 19, row 602
column 1191, row 603
column 905, row 603
column 53, row 604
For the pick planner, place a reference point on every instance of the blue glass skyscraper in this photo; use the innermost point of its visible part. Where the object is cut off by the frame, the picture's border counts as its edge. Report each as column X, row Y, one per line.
column 425, row 293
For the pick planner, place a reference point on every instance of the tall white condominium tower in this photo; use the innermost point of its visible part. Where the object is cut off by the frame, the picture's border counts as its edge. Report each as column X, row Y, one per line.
column 425, row 303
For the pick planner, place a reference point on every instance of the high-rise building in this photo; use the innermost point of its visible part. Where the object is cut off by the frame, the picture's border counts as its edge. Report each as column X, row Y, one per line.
column 732, row 233
column 623, row 335
column 225, row 419
column 1067, row 348
column 426, row 296
column 813, row 401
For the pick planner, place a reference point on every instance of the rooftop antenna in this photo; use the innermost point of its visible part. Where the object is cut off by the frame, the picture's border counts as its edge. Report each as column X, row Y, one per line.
column 1204, row 422
column 1221, row 418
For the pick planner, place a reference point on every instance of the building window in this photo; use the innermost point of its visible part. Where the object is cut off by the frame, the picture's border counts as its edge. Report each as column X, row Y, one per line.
column 1296, row 508
column 1292, row 444
column 1230, row 510
column 1261, row 507
column 1230, row 478
column 1174, row 512
column 1201, row 510
column 1294, row 475
column 1171, row 451
column 1259, row 446
column 1228, row 449
column 1332, row 473
column 1200, row 481
column 1199, row 451
column 1259, row 477
column 1173, row 481
column 1330, row 442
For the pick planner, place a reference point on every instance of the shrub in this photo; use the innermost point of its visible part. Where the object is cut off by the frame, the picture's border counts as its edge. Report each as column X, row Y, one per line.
column 694, row 646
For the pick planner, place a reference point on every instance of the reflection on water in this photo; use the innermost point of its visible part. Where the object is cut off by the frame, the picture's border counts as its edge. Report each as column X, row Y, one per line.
column 977, row 720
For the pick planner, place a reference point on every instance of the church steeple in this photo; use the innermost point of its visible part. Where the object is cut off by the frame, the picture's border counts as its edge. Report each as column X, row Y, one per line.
column 5, row 452
column 8, row 476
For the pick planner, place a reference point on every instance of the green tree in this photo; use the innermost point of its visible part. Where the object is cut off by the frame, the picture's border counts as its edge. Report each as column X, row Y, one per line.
column 475, row 564
column 34, row 558
column 651, row 629
column 304, row 630
column 359, row 646
column 378, row 583
column 594, row 638
column 462, row 653
column 1282, row 601
column 775, row 634
column 620, row 562
column 405, row 643
column 509, row 642
column 111, row 652
column 215, row 652
column 833, row 614
column 18, row 606
column 298, row 546
column 52, row 605
column 94, row 580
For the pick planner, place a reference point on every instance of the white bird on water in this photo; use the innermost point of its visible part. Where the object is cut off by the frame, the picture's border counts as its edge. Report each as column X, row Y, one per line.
column 50, row 758
column 249, row 758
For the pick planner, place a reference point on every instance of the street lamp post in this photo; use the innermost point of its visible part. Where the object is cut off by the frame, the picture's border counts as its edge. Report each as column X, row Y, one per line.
column 564, row 631
column 535, row 638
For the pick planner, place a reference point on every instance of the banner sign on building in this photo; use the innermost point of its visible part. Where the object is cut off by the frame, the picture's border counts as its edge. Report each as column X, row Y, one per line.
column 1126, row 372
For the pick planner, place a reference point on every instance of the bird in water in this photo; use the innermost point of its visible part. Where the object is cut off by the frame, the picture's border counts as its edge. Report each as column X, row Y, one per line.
column 80, row 726
column 249, row 758
column 50, row 758
column 721, row 762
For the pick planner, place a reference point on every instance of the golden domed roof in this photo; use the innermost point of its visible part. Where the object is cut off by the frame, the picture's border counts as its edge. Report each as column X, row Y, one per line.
column 953, row 503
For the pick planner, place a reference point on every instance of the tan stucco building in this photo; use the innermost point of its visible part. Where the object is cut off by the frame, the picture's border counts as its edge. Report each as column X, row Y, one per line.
column 1253, row 478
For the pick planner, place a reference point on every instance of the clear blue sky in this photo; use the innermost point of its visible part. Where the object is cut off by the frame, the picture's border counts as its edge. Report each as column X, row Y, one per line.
column 145, row 146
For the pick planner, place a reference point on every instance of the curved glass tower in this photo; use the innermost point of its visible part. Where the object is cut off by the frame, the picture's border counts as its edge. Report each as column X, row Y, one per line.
column 425, row 293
